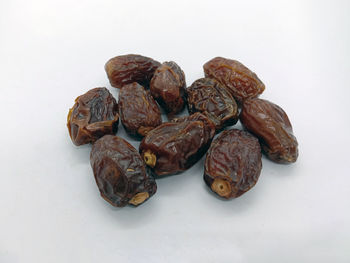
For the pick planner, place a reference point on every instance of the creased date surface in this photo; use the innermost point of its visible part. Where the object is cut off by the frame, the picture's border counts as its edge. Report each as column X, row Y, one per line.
column 122, row 70
column 139, row 112
column 213, row 100
column 233, row 163
column 93, row 115
column 240, row 81
column 168, row 87
column 271, row 125
column 173, row 147
column 120, row 173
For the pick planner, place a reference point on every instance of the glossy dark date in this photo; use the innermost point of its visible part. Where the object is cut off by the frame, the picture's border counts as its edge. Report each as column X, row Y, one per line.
column 120, row 173
column 233, row 163
column 139, row 112
column 93, row 115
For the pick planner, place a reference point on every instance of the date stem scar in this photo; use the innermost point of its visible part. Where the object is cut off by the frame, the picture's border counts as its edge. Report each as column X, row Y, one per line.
column 150, row 158
column 139, row 198
column 221, row 187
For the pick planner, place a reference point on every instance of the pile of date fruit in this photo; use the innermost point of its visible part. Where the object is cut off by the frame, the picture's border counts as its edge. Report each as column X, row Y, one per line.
column 229, row 91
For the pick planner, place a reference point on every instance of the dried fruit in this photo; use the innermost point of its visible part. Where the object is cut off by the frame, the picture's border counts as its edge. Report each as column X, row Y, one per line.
column 122, row 70
column 168, row 87
column 138, row 110
column 120, row 173
column 93, row 115
column 213, row 100
column 209, row 127
column 271, row 125
column 240, row 81
column 175, row 146
column 233, row 163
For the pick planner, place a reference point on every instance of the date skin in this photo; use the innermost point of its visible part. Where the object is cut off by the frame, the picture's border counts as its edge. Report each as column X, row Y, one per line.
column 174, row 147
column 168, row 87
column 122, row 70
column 271, row 125
column 120, row 173
column 240, row 81
column 213, row 100
column 233, row 163
column 139, row 112
column 93, row 115
column 209, row 126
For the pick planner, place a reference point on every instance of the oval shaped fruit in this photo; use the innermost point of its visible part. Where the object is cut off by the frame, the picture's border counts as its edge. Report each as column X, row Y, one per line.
column 174, row 146
column 240, row 81
column 168, row 87
column 213, row 100
column 122, row 70
column 233, row 163
column 139, row 112
column 93, row 115
column 120, row 173
column 271, row 125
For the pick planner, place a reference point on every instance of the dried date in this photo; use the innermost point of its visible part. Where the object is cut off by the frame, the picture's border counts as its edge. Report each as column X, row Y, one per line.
column 139, row 112
column 120, row 173
column 271, row 125
column 174, row 146
column 233, row 163
column 168, row 87
column 240, row 81
column 93, row 115
column 122, row 70
column 213, row 100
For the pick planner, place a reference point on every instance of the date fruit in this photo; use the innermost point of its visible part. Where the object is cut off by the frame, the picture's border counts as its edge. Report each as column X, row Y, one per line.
column 120, row 173
column 240, row 81
column 122, row 70
column 209, row 126
column 174, row 146
column 213, row 100
column 233, row 163
column 168, row 87
column 271, row 125
column 139, row 112
column 93, row 115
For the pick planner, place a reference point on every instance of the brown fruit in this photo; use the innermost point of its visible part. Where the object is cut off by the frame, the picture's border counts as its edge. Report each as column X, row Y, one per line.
column 240, row 81
column 233, row 163
column 271, row 125
column 93, row 115
column 122, row 70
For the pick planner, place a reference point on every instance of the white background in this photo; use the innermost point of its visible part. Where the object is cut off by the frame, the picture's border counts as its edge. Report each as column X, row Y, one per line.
column 50, row 208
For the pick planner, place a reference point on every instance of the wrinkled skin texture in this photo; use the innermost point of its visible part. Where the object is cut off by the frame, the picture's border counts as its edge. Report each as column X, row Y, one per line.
column 122, row 70
column 93, row 115
column 271, row 125
column 120, row 173
column 209, row 127
column 233, row 163
column 174, row 147
column 240, row 81
column 168, row 87
column 139, row 112
column 213, row 100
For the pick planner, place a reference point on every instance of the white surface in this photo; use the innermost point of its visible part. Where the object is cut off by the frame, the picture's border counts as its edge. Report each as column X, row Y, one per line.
column 50, row 208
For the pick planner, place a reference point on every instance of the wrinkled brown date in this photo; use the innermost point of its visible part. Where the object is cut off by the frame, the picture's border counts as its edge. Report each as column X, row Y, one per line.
column 240, row 81
column 168, row 87
column 139, row 113
column 213, row 100
column 174, row 146
column 271, row 125
column 233, row 163
column 122, row 70
column 209, row 126
column 93, row 115
column 120, row 173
